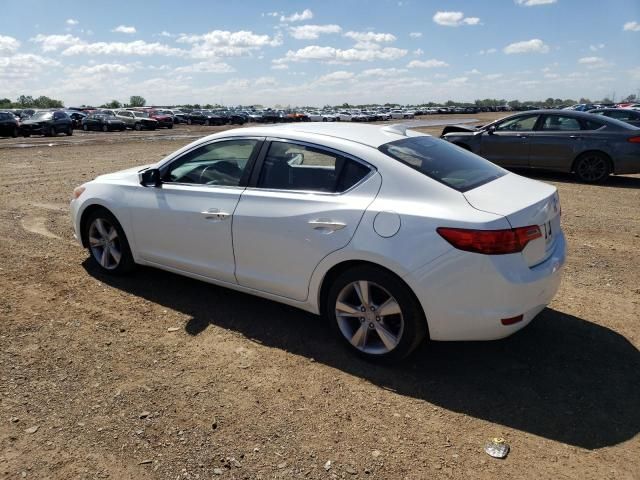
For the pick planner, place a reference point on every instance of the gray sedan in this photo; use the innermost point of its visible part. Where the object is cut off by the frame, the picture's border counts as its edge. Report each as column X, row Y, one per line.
column 592, row 147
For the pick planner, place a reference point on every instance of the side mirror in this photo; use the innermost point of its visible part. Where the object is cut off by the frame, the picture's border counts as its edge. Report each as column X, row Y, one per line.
column 150, row 178
column 491, row 130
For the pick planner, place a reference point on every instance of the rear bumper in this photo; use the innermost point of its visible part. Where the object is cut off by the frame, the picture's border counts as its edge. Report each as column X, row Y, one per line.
column 465, row 295
column 628, row 163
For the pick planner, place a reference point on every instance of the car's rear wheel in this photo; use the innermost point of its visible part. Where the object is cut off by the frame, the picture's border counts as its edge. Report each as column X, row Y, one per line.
column 69, row 131
column 375, row 314
column 592, row 167
column 170, row 126
column 107, row 243
column 15, row 132
column 85, row 127
column 137, row 126
column 189, row 121
column 105, row 128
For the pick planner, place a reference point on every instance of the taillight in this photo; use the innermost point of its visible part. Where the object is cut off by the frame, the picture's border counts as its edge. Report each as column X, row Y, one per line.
column 633, row 139
column 490, row 242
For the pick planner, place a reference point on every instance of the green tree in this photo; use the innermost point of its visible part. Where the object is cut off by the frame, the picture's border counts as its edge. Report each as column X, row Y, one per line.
column 137, row 101
column 112, row 104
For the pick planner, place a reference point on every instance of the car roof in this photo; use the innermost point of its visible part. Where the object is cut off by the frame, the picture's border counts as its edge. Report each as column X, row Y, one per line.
column 371, row 135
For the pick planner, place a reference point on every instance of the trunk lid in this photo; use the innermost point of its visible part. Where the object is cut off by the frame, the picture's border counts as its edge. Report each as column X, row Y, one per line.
column 523, row 202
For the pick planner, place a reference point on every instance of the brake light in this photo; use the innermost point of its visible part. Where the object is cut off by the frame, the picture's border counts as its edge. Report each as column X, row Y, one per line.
column 490, row 242
column 633, row 139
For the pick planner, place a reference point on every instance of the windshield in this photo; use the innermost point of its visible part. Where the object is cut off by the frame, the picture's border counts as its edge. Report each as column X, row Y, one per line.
column 141, row 114
column 447, row 163
column 42, row 116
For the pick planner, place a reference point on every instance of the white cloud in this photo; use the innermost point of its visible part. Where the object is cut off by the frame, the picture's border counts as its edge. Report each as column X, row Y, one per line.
column 280, row 66
column 415, row 34
column 223, row 43
column 8, row 44
column 206, row 67
column 297, row 17
column 418, row 52
column 489, row 51
column 493, row 76
column 473, row 71
column 534, row 3
column 631, row 26
column 335, row 77
column 454, row 19
column 24, row 66
column 312, row 32
column 458, row 80
column 534, row 45
column 72, row 21
column 139, row 47
column 337, row 55
column 594, row 62
column 265, row 82
column 433, row 63
column 370, row 40
column 124, row 29
column 51, row 43
column 595, row 48
column 382, row 72
column 106, row 68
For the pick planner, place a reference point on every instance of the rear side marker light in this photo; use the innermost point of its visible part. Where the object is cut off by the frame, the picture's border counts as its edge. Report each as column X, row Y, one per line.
column 633, row 139
column 512, row 320
column 490, row 242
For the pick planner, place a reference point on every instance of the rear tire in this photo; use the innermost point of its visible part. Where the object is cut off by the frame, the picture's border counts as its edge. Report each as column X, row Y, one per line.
column 15, row 132
column 384, row 324
column 85, row 127
column 107, row 243
column 69, row 131
column 105, row 128
column 592, row 167
column 137, row 127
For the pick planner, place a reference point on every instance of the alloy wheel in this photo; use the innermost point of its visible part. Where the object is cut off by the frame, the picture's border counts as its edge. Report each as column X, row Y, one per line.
column 369, row 317
column 592, row 168
column 104, row 243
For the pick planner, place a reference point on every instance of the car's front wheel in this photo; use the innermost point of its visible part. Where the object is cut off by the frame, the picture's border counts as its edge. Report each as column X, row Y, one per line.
column 107, row 243
column 592, row 167
column 375, row 314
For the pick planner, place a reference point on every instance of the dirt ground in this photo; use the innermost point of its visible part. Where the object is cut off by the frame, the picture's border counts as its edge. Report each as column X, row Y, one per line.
column 155, row 376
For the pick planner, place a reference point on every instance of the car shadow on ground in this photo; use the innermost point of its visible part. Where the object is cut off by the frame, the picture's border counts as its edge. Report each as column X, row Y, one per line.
column 617, row 181
column 561, row 378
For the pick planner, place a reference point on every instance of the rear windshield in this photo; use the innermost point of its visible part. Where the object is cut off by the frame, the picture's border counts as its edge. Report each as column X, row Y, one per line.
column 443, row 161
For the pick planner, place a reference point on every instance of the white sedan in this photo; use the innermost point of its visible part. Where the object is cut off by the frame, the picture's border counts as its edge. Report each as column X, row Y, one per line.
column 391, row 234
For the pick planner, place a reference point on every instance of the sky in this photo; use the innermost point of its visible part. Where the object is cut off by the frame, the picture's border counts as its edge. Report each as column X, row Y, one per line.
column 308, row 52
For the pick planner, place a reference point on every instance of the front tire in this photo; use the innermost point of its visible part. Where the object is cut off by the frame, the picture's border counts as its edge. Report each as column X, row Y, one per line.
column 592, row 167
column 105, row 128
column 107, row 243
column 69, row 131
column 137, row 127
column 375, row 314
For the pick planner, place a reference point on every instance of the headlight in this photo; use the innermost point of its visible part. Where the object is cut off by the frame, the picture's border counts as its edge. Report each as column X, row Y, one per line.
column 78, row 191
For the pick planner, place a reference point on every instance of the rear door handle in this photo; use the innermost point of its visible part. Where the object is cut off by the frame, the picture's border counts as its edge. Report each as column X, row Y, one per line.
column 523, row 136
column 326, row 226
column 215, row 214
column 575, row 137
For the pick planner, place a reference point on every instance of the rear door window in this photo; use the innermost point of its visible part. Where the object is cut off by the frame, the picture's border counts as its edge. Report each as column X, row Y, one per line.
column 291, row 166
column 560, row 123
column 444, row 162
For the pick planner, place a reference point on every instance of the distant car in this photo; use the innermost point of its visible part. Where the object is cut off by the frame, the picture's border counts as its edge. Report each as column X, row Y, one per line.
column 582, row 107
column 9, row 126
column 103, row 122
column 626, row 115
column 592, row 147
column 47, row 123
column 136, row 120
column 76, row 118
column 319, row 117
column 232, row 118
column 164, row 120
column 393, row 237
column 274, row 116
column 204, row 117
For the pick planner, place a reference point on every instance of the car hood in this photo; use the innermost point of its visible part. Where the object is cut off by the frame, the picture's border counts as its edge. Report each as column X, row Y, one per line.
column 123, row 173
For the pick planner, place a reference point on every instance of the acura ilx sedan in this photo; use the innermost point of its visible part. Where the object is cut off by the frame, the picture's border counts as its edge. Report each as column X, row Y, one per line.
column 393, row 235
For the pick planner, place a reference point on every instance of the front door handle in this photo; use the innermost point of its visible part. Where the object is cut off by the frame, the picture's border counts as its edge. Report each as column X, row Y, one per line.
column 215, row 214
column 326, row 226
column 523, row 136
column 575, row 137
